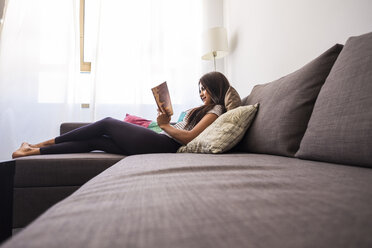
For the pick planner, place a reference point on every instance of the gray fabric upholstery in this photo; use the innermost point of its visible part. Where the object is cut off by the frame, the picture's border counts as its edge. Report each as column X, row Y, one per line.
column 285, row 107
column 203, row 200
column 29, row 203
column 43, row 180
column 61, row 169
column 340, row 128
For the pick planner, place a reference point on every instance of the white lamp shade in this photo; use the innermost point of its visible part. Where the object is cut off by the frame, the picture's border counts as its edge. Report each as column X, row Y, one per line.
column 215, row 41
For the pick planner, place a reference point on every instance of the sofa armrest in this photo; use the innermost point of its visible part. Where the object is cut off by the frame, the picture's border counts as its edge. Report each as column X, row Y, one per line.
column 68, row 126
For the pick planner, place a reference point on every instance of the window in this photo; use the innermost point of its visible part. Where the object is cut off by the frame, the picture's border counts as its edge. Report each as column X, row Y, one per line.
column 84, row 66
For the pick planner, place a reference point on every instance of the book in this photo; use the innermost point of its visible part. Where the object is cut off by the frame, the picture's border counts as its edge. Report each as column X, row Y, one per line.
column 162, row 98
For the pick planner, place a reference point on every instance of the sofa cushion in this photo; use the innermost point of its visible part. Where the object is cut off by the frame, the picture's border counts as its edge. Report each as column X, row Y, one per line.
column 285, row 107
column 205, row 200
column 224, row 133
column 152, row 125
column 232, row 99
column 61, row 169
column 340, row 128
column 137, row 120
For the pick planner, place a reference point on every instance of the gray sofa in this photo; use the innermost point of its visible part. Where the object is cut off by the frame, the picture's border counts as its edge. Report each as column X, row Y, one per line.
column 42, row 181
column 300, row 177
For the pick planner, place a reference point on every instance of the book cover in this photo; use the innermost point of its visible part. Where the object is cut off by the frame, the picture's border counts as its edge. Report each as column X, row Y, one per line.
column 162, row 98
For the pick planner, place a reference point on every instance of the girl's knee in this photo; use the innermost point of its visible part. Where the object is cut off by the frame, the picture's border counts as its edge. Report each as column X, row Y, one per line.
column 104, row 123
column 107, row 120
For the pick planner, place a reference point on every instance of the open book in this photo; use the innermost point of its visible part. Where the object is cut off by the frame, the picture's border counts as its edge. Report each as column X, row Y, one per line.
column 162, row 98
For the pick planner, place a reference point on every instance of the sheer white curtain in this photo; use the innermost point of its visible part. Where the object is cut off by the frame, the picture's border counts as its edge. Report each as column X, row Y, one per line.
column 135, row 45
column 141, row 44
column 38, row 71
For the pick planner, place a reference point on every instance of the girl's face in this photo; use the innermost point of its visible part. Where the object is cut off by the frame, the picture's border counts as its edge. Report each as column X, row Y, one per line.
column 204, row 95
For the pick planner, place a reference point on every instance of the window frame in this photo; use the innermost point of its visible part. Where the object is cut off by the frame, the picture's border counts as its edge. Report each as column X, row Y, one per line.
column 84, row 65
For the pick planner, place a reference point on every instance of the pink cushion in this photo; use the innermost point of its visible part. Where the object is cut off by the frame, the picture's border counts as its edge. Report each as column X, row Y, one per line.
column 137, row 120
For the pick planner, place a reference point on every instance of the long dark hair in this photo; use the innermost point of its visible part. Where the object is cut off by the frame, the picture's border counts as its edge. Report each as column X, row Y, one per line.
column 216, row 85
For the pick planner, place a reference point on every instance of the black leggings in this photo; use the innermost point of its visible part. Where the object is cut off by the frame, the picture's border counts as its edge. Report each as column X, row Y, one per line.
column 112, row 136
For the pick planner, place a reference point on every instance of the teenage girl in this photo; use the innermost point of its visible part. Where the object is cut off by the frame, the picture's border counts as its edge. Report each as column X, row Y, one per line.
column 119, row 137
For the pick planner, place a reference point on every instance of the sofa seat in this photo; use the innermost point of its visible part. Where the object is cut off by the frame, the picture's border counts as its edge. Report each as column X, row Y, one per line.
column 203, row 200
column 41, row 181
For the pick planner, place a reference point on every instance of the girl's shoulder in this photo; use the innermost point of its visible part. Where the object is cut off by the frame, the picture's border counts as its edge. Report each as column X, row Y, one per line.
column 217, row 110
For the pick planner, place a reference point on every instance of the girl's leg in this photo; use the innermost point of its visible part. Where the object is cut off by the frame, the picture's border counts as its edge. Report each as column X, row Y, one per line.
column 109, row 135
column 130, row 138
column 85, row 132
column 90, row 131
column 134, row 139
column 103, row 144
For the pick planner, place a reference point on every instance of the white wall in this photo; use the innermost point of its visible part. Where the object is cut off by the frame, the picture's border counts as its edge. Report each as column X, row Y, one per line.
column 270, row 38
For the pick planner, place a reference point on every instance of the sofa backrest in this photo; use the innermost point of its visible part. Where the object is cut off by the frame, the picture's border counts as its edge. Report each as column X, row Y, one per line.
column 285, row 107
column 340, row 127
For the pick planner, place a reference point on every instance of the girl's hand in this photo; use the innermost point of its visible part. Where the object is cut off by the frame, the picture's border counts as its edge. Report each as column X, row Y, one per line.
column 163, row 119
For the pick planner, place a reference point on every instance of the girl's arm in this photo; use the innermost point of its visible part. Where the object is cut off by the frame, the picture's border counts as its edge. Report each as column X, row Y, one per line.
column 185, row 136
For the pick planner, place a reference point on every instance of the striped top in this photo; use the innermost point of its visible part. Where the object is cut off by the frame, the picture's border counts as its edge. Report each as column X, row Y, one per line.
column 217, row 110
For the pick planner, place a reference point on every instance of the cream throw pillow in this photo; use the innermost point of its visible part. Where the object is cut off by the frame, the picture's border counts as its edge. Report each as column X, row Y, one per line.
column 224, row 133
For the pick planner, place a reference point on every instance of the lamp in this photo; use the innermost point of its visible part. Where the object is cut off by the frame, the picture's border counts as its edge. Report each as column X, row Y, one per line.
column 215, row 44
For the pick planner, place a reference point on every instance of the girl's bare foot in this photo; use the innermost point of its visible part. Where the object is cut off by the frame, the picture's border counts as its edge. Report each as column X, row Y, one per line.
column 25, row 150
column 24, row 145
